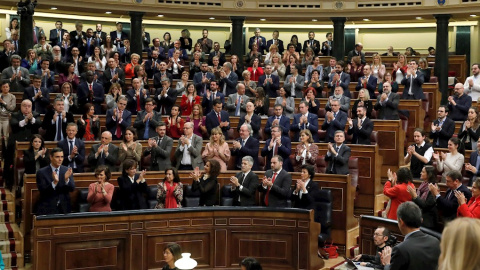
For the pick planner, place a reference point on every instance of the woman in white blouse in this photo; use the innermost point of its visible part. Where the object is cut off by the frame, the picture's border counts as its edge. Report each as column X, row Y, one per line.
column 378, row 68
column 306, row 152
column 452, row 161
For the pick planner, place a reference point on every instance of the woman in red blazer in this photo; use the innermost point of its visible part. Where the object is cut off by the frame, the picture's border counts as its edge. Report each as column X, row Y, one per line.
column 472, row 209
column 189, row 99
column 396, row 189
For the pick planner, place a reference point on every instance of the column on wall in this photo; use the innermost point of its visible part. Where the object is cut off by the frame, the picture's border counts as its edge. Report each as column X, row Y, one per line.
column 441, row 55
column 136, row 31
column 237, row 36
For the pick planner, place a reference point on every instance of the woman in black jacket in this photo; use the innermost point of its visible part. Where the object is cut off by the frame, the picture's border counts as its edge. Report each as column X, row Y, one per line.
column 37, row 156
column 207, row 184
column 133, row 187
column 425, row 199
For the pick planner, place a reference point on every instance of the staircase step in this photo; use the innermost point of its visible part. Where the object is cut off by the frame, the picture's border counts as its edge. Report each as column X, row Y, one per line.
column 7, row 246
column 7, row 217
column 7, row 206
column 6, row 194
column 12, row 259
column 9, row 231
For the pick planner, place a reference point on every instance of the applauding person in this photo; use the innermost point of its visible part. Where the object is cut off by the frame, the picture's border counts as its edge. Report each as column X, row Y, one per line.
column 206, row 182
column 100, row 193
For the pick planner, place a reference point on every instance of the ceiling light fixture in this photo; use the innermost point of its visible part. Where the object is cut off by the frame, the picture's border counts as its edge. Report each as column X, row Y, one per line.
column 160, row 15
column 418, row 18
column 212, row 18
column 108, row 12
column 263, row 20
column 366, row 20
column 53, row 8
column 473, row 15
column 314, row 20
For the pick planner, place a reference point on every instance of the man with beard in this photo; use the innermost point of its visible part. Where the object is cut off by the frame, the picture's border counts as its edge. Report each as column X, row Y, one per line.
column 459, row 103
column 339, row 78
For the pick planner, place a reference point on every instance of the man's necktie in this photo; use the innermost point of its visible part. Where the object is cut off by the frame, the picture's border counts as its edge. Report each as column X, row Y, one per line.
column 59, row 128
column 219, row 118
column 70, row 150
column 139, row 108
column 242, row 142
column 147, row 127
column 241, row 179
column 119, row 129
column 239, row 102
column 268, row 191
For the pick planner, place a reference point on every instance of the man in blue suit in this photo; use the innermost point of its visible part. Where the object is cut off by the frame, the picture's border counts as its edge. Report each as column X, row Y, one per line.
column 210, row 96
column 38, row 95
column 48, row 77
column 202, row 79
column 305, row 120
column 246, row 145
column 278, row 119
column 91, row 92
column 334, row 120
column 339, row 78
column 278, row 145
column 413, row 82
column 269, row 82
column 218, row 118
column 118, row 119
column 368, row 81
column 276, row 41
column 228, row 80
column 176, row 46
column 54, row 182
column 259, row 40
column 73, row 149
column 56, row 34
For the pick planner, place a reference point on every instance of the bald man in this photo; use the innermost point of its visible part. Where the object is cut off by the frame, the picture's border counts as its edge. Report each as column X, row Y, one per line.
column 104, row 153
column 459, row 103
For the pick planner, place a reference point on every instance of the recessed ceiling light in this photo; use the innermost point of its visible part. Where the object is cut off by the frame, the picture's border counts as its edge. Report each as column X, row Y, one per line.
column 160, row 15
column 263, row 20
column 418, row 18
column 53, row 8
column 366, row 20
column 212, row 18
column 108, row 12
column 473, row 15
column 314, row 20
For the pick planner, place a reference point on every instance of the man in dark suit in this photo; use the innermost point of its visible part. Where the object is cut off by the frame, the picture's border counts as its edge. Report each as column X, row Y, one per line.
column 269, row 82
column 368, row 82
column 473, row 168
column 147, row 120
column 159, row 147
column 448, row 205
column 304, row 120
column 312, row 43
column 145, row 38
column 259, row 40
column 459, row 103
column 162, row 74
column 339, row 78
column 112, row 75
column 276, row 41
column 118, row 36
column 40, row 97
column 277, row 119
column 413, row 82
column 278, row 145
column 156, row 46
column 137, row 97
column 99, row 35
column 56, row 34
column 104, row 153
column 152, row 65
column 228, row 80
column 356, row 52
column 419, row 251
column 244, row 184
column 246, row 145
column 118, row 119
column 91, row 92
column 387, row 104
column 48, row 77
column 361, row 128
column 210, row 96
column 97, row 75
column 327, row 46
column 334, row 120
column 330, row 70
column 442, row 128
column 338, row 155
column 56, row 120
column 275, row 187
column 77, row 36
column 165, row 97
column 218, row 118
column 202, row 79
column 305, row 189
column 76, row 59
column 177, row 47
column 216, row 52
column 73, row 149
column 54, row 182
column 24, row 123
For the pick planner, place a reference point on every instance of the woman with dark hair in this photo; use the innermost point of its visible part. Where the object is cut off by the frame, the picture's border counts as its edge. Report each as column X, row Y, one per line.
column 189, row 99
column 206, row 183
column 470, row 131
column 261, row 102
column 255, row 70
column 99, row 59
column 472, row 209
column 425, row 199
column 88, row 125
column 388, row 78
column 396, row 189
column 185, row 40
column 409, row 51
column 108, row 47
column 304, row 193
column 313, row 103
column 171, row 253
column 129, row 148
column 250, row 264
column 167, row 43
column 306, row 152
column 133, row 187
column 316, row 83
column 170, row 191
column 254, row 54
column 286, row 101
column 13, row 26
column 237, row 66
column 100, row 193
column 452, row 161
column 174, row 123
column 37, row 156
column 69, row 76
column 419, row 154
column 296, row 44
column 356, row 69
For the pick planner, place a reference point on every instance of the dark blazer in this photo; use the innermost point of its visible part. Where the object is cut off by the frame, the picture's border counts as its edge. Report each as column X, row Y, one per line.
column 307, row 200
column 473, row 161
column 221, row 57
column 165, row 102
column 160, row 155
column 47, row 82
column 98, row 96
column 255, row 124
column 51, row 129
column 326, row 51
column 114, row 37
column 388, row 110
column 416, row 86
column 231, row 82
column 459, row 112
column 249, row 188
column 344, row 82
column 463, row 135
column 263, row 44
column 361, row 136
column 110, row 161
column 284, row 123
column 353, row 53
column 440, row 139
column 250, row 148
column 313, row 126
column 419, row 251
column 339, row 164
column 280, row 46
column 54, row 38
column 29, row 161
column 157, row 78
column 103, row 37
column 152, row 70
column 208, row 190
column 107, row 78
column 132, row 195
column 448, row 205
column 429, row 211
column 371, row 85
column 49, row 196
column 279, row 192
column 23, row 134
column 202, row 88
column 207, row 103
column 76, row 41
column 132, row 103
column 40, row 104
column 78, row 159
column 112, row 124
column 316, row 46
column 338, row 123
column 284, row 151
column 270, row 89
column 367, row 104
column 152, row 124
column 211, row 121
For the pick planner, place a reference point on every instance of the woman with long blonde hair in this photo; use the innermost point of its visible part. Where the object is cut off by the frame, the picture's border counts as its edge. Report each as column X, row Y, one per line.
column 217, row 149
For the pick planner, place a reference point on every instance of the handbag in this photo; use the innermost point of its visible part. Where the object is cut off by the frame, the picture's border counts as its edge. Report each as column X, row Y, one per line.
column 331, row 250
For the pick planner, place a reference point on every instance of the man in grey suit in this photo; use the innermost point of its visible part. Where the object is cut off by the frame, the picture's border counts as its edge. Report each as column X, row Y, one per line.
column 17, row 76
column 387, row 104
column 237, row 102
column 338, row 155
column 275, row 187
column 189, row 149
column 159, row 148
column 419, row 251
column 338, row 95
column 244, row 184
column 104, row 153
column 294, row 82
column 147, row 120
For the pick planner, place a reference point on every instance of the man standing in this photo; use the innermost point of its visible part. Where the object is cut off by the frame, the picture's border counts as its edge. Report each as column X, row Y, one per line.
column 361, row 128
column 56, row 120
column 269, row 82
column 91, row 92
column 202, row 79
column 104, row 153
column 152, row 65
column 189, row 149
column 244, row 184
column 312, row 43
column 210, row 96
column 305, row 120
column 275, row 41
column 113, row 74
column 259, row 40
column 207, row 43
column 246, row 145
column 413, row 82
column 380, row 239
column 118, row 119
column 218, row 118
column 56, row 34
column 275, row 187
column 367, row 82
column 442, row 128
column 327, row 45
column 472, row 83
column 278, row 119
column 228, row 79
column 99, row 35
column 39, row 96
column 278, row 145
column 118, row 36
column 294, row 82
column 216, row 52
column 17, row 76
column 48, row 77
column 137, row 97
column 54, row 182
column 418, row 251
column 147, row 120
column 459, row 104
column 236, row 102
column 356, row 52
column 387, row 104
column 159, row 148
column 339, row 78
column 73, row 149
column 165, row 97
column 334, row 120
column 338, row 155
column 162, row 74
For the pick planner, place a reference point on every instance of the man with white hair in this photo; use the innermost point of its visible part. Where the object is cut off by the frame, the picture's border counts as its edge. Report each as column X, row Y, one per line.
column 189, row 150
column 259, row 40
column 246, row 145
column 338, row 95
column 244, row 184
